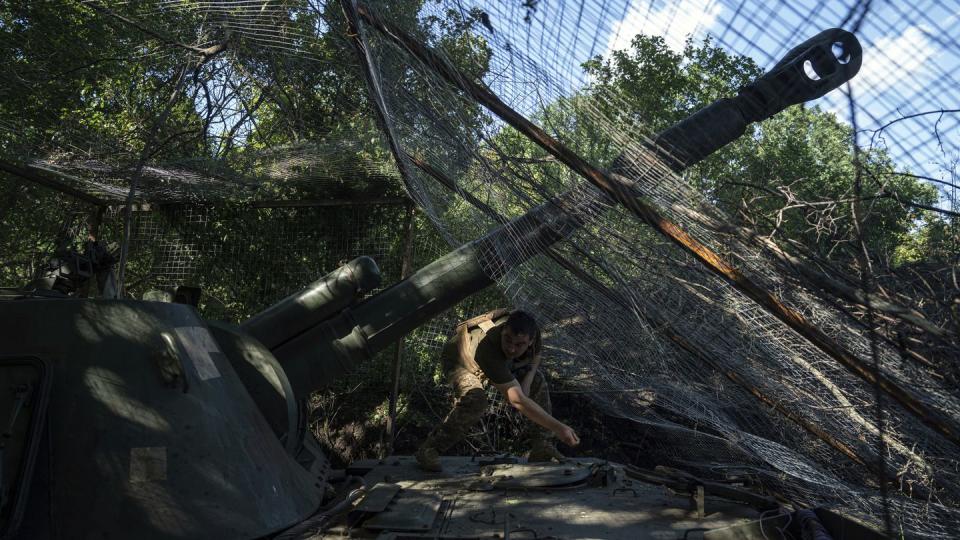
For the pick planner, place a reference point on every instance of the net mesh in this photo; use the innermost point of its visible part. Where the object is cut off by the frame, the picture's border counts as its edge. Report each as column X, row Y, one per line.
column 256, row 145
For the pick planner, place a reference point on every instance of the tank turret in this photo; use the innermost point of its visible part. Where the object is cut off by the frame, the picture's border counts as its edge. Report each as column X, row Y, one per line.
column 135, row 419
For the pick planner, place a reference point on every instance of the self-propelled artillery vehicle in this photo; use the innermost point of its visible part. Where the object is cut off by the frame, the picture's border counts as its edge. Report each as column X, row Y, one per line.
column 138, row 419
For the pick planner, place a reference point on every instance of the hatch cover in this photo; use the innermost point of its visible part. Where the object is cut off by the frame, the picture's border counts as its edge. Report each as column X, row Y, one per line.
column 24, row 389
column 411, row 511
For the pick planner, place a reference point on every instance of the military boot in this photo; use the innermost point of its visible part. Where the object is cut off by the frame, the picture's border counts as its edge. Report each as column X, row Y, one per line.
column 428, row 458
column 542, row 451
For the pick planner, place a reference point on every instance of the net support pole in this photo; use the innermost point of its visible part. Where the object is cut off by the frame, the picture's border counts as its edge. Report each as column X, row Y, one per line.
column 135, row 178
column 405, row 269
column 620, row 189
column 356, row 38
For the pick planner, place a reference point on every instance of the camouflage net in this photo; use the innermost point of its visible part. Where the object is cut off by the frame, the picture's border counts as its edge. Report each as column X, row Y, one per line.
column 713, row 380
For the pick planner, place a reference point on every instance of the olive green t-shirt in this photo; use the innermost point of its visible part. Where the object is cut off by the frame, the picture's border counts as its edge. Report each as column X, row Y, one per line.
column 490, row 358
column 483, row 353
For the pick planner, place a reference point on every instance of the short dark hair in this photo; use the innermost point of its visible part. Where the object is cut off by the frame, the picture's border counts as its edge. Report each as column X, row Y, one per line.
column 521, row 322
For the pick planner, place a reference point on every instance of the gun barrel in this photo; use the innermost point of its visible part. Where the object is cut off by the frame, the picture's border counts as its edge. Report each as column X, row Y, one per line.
column 806, row 72
column 315, row 303
column 322, row 354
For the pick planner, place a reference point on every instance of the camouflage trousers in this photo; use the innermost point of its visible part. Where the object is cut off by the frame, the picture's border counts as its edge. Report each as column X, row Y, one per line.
column 471, row 403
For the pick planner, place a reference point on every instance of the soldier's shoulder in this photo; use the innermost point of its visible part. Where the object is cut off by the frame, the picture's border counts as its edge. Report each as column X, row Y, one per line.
column 486, row 321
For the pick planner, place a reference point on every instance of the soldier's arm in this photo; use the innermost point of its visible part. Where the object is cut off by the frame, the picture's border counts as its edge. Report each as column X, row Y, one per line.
column 529, row 375
column 535, row 413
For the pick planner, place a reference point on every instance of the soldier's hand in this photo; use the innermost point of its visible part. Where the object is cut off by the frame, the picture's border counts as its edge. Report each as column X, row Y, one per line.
column 568, row 436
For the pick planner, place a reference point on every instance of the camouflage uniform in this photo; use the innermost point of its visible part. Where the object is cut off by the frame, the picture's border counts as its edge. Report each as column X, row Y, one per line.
column 471, row 359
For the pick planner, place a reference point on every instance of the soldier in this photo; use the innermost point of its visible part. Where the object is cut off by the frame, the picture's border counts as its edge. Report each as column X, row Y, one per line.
column 500, row 347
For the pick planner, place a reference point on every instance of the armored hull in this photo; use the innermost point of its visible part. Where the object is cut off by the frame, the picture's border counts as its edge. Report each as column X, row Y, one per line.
column 148, row 432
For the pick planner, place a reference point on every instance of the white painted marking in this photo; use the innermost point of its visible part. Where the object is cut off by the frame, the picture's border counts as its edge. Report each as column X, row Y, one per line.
column 199, row 344
column 148, row 464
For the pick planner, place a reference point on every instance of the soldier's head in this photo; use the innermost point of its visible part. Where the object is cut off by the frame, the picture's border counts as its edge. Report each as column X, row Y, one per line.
column 520, row 332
